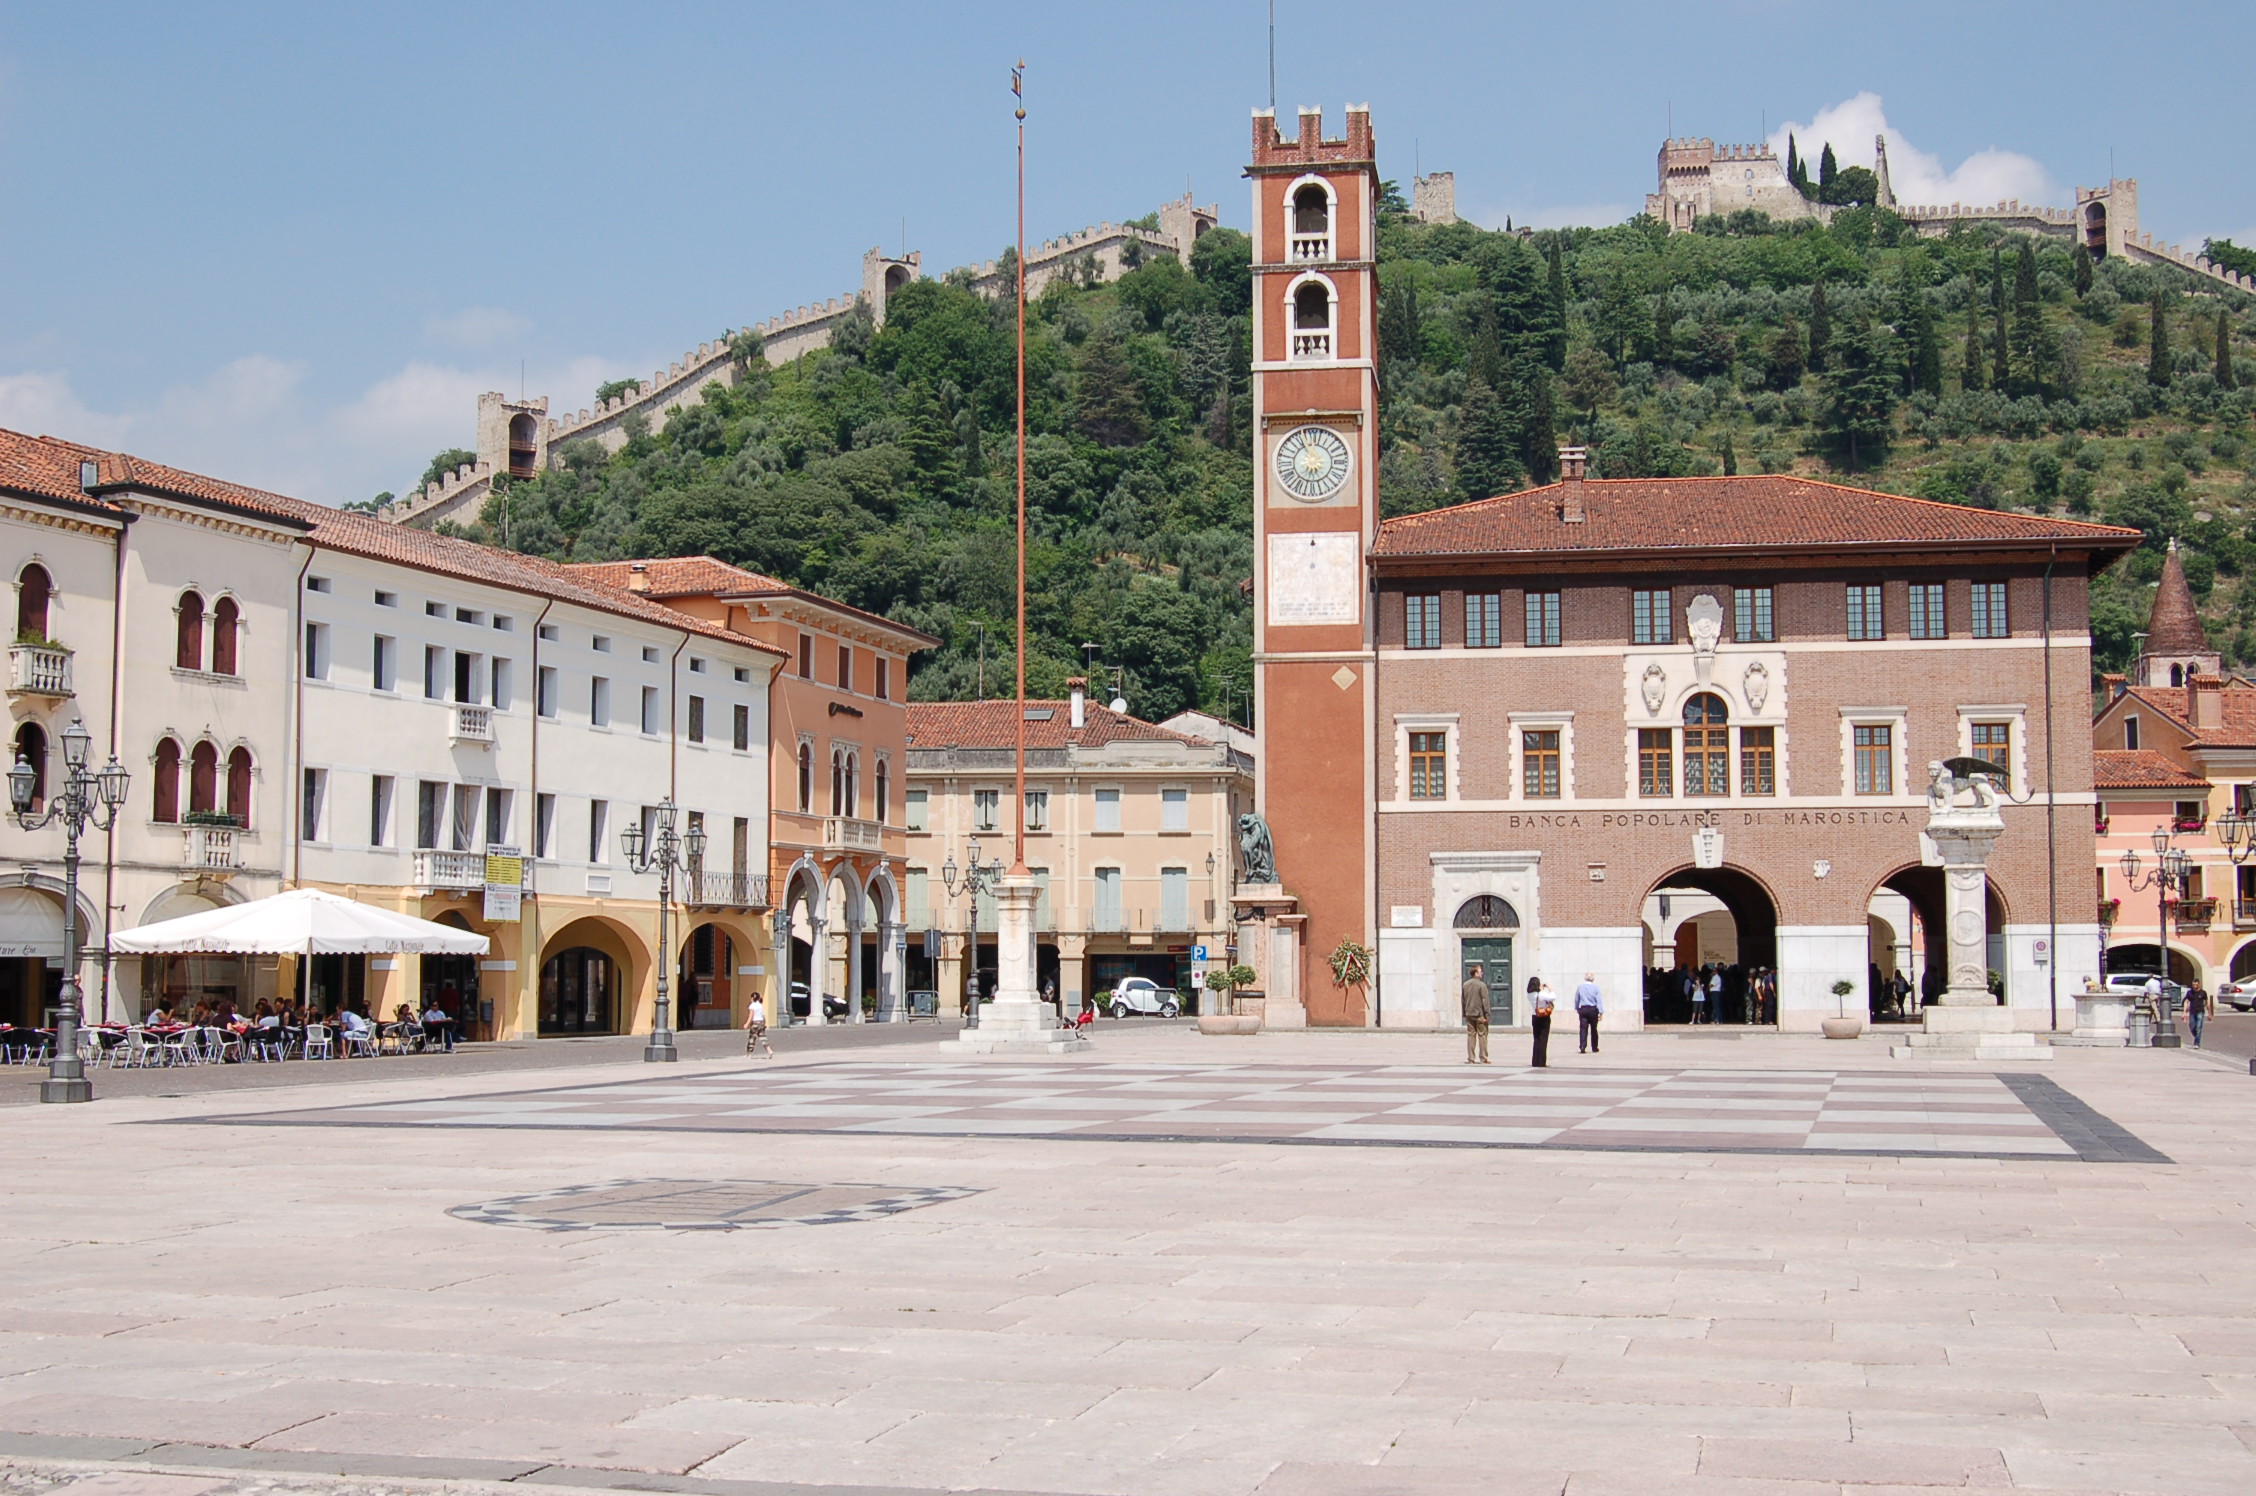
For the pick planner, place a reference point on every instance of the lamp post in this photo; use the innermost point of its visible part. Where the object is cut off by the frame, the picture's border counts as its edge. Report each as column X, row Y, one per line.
column 973, row 881
column 665, row 853
column 83, row 800
column 2172, row 869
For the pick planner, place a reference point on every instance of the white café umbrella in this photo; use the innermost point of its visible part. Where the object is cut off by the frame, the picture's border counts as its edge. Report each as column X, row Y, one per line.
column 300, row 922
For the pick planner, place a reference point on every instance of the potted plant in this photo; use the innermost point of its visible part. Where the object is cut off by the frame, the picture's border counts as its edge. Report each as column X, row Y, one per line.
column 1225, row 983
column 1843, row 1026
column 221, row 818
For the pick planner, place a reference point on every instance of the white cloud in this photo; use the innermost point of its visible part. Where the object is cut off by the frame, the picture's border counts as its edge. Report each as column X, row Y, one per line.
column 477, row 329
column 1918, row 177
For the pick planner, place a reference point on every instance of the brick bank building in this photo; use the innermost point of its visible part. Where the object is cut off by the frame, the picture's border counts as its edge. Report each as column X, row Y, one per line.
column 1540, row 730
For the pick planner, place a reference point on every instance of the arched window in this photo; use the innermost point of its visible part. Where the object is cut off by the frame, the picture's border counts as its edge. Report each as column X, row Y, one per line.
column 164, row 783
column 1312, row 321
column 239, row 786
column 31, row 748
column 203, row 778
column 1312, row 210
column 853, row 784
column 225, row 615
column 1486, row 912
column 188, row 650
column 2177, row 675
column 523, row 445
column 806, row 778
column 837, row 782
column 1707, row 746
column 882, row 789
column 34, row 590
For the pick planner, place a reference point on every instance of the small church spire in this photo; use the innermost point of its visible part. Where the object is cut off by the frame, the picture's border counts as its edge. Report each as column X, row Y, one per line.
column 2176, row 645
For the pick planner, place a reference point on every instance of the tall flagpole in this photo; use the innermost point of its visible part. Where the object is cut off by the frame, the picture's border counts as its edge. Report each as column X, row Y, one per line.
column 1018, row 791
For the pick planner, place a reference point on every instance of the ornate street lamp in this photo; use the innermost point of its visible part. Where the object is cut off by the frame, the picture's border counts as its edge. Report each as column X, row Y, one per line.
column 665, row 853
column 83, row 800
column 971, row 882
column 2172, row 870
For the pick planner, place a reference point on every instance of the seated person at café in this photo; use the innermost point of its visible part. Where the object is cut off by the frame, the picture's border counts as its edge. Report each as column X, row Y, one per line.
column 352, row 1021
column 440, row 1026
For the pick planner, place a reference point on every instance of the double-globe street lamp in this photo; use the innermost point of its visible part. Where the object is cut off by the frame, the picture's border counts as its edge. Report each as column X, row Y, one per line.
column 973, row 881
column 664, row 852
column 83, row 800
column 2173, row 869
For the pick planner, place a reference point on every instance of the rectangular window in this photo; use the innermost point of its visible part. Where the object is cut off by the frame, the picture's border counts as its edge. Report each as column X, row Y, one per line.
column 434, row 610
column 741, row 735
column 1926, row 612
column 467, row 686
column 317, row 651
column 649, row 655
column 387, row 600
column 599, row 824
column 1649, row 617
column 600, row 643
column 650, row 718
column 504, row 684
column 1758, row 760
column 1751, row 615
column 1875, row 760
column 434, row 673
column 1421, row 620
column 498, row 806
column 1707, row 759
column 2130, row 732
column 696, row 665
column 740, row 844
column 1108, row 898
column 697, row 719
column 806, row 657
column 1988, row 613
column 1993, row 743
column 548, row 632
column 1542, row 618
column 1656, row 762
column 380, row 810
column 915, row 810
column 1865, row 621
column 1174, row 898
column 382, row 666
column 1539, row 764
column 544, row 690
column 919, row 899
column 468, row 799
column 884, row 679
column 1174, row 810
column 309, row 805
column 1037, row 810
column 544, row 825
column 649, row 823
column 430, row 813
column 845, row 667
column 599, row 702
column 1108, row 810
column 1429, row 766
column 1484, row 620
column 985, row 807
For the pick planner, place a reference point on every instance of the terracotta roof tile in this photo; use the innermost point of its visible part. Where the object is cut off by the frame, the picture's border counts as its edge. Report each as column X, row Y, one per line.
column 1721, row 514
column 990, row 724
column 2236, row 698
column 2173, row 624
column 2141, row 769
column 703, row 576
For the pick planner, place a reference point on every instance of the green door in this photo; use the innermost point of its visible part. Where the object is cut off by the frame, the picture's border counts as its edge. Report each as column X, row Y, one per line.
column 1493, row 954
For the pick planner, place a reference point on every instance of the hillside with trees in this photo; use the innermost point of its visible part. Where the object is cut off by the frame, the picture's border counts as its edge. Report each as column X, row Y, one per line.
column 1984, row 368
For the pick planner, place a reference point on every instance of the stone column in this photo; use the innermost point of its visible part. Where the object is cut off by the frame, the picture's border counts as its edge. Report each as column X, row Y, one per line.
column 1017, row 1022
column 890, row 942
column 854, row 963
column 1073, row 973
column 948, row 978
column 818, row 967
column 1966, row 1021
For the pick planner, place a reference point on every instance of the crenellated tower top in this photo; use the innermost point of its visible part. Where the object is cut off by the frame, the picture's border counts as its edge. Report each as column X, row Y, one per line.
column 1272, row 152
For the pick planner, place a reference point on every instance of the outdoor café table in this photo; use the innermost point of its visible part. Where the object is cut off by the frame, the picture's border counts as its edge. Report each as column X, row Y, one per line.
column 439, row 1032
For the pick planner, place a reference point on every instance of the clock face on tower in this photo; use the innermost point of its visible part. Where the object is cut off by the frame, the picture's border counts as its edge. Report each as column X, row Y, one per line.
column 1311, row 463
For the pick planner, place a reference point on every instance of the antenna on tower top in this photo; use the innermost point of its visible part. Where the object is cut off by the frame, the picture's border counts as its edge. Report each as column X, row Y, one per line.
column 1272, row 56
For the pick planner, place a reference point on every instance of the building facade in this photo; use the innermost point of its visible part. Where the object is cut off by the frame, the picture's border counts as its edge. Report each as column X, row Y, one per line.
column 1128, row 831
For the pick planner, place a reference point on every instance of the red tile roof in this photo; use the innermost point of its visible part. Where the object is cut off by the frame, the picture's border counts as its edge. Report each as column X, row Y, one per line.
column 2140, row 769
column 1721, row 514
column 2236, row 698
column 991, row 724
column 2173, row 624
column 702, row 576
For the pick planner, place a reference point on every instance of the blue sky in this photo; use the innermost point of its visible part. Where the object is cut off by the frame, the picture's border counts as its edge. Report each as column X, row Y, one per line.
column 288, row 243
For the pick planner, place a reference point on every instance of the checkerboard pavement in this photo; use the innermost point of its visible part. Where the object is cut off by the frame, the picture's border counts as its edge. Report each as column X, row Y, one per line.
column 1972, row 1114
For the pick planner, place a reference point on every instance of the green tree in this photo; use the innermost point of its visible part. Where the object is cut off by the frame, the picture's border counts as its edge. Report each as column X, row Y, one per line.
column 1827, row 170
column 1155, row 637
column 1590, row 379
column 1555, row 285
column 2225, row 380
column 2081, row 258
column 1664, row 332
column 2001, row 355
column 1531, row 408
column 1860, row 397
column 2158, row 343
column 444, row 465
column 2032, row 345
column 1789, row 360
column 1971, row 376
column 1730, row 456
column 1923, row 344
column 1855, row 186
column 1488, row 459
column 1821, row 318
column 1109, row 405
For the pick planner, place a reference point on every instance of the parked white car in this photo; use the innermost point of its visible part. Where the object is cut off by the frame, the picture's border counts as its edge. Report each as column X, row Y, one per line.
column 2239, row 994
column 1144, row 997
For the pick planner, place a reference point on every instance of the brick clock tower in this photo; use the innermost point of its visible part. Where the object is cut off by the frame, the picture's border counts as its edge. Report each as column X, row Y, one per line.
column 1315, row 512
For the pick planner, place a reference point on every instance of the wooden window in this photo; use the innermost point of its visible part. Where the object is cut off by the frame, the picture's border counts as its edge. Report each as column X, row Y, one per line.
column 31, row 748
column 884, row 679
column 2130, row 732
column 985, row 808
column 1539, row 764
column 34, row 591
column 164, row 786
column 806, row 657
column 1707, row 746
column 1543, row 618
column 239, row 786
column 1037, row 810
column 853, row 784
column 742, row 729
column 1484, row 620
column 1993, row 742
column 806, row 777
column 1752, row 617
column 838, row 781
column 380, row 809
column 884, row 790
column 188, row 637
column 845, row 667
column 1926, row 612
column 1758, row 760
column 203, row 778
column 1988, row 613
column 697, row 719
column 1875, row 760
column 226, row 617
column 1429, row 766
column 914, row 807
column 1865, row 618
column 1421, row 620
column 1656, row 762
column 1650, row 620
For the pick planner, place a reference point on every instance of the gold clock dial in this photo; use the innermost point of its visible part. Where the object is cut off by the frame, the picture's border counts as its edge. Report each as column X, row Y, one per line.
column 1312, row 463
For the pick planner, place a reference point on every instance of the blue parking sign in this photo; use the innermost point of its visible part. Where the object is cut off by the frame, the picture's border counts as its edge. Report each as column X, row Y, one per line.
column 1198, row 953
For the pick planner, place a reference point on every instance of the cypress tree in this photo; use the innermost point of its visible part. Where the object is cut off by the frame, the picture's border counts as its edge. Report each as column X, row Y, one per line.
column 2158, row 344
column 2082, row 257
column 1488, row 460
column 2029, row 341
column 1827, row 170
column 1730, row 457
column 1821, row 327
column 2001, row 361
column 1555, row 343
column 1926, row 345
column 1793, row 161
column 1664, row 333
column 2225, row 380
column 1534, row 393
column 1970, row 374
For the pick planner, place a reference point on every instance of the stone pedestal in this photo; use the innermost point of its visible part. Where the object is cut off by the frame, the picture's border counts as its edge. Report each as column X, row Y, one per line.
column 2102, row 1020
column 1017, row 1022
column 1271, row 931
column 1965, row 1021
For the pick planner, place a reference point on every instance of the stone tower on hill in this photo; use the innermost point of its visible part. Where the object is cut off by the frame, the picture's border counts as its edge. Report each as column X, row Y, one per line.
column 2175, row 646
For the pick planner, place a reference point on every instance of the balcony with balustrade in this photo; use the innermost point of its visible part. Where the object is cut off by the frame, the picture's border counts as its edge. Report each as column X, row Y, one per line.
column 1312, row 345
column 39, row 669
column 472, row 725
column 851, row 834
column 703, row 890
column 209, row 851
column 1308, row 249
column 437, row 871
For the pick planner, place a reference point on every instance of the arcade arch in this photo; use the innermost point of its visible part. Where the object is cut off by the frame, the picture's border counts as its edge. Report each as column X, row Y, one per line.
column 592, row 972
column 1701, row 922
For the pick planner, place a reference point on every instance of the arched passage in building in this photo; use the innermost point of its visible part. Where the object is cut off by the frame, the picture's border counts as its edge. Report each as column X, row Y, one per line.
column 181, row 981
column 1710, row 933
column 591, row 971
column 710, row 982
column 2139, row 955
column 450, row 983
column 524, row 445
column 2095, row 229
column 1922, row 948
column 2243, row 965
column 803, row 933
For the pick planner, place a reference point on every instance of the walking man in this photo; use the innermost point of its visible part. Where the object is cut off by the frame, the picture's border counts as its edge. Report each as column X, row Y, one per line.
column 1539, row 1021
column 1590, row 1005
column 1475, row 998
column 2197, row 1011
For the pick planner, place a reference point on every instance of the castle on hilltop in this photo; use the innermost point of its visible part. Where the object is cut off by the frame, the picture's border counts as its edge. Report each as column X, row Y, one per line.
column 521, row 439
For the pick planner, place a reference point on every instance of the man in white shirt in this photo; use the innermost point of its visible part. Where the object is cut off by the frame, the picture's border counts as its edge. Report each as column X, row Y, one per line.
column 1590, row 1005
column 756, row 1027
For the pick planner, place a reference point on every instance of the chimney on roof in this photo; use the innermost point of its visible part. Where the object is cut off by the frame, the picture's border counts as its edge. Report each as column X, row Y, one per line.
column 2115, row 684
column 1573, row 462
column 1078, row 685
column 2205, row 707
column 638, row 576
